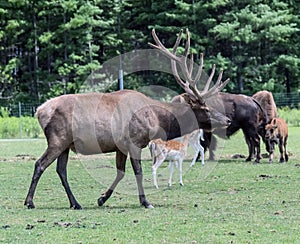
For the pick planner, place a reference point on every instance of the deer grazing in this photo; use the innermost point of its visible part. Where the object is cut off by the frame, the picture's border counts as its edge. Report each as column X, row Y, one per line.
column 123, row 122
column 175, row 152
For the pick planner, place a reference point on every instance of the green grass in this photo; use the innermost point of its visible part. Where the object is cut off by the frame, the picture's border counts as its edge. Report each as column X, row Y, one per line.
column 229, row 201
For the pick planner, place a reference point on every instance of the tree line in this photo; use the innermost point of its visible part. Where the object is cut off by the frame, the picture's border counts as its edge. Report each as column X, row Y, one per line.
column 48, row 48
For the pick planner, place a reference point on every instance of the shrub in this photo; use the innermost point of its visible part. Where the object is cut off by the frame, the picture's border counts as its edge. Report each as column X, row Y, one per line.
column 14, row 127
column 291, row 116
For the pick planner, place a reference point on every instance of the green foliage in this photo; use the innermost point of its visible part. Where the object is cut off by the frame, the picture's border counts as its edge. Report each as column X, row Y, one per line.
column 14, row 127
column 290, row 115
column 49, row 48
column 4, row 112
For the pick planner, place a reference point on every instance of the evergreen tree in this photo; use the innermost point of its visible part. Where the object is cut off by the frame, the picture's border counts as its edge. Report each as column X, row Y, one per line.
column 48, row 48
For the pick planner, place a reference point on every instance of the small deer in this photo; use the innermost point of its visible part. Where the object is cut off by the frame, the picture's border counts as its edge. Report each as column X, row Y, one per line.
column 277, row 133
column 175, row 152
column 171, row 150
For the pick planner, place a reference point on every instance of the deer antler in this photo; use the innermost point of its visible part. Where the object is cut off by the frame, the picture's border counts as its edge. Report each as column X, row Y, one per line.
column 190, row 84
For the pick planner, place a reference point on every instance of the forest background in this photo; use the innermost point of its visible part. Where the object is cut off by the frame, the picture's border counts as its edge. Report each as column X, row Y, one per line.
column 49, row 48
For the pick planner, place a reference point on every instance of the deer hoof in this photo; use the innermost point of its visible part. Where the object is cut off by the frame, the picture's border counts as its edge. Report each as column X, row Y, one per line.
column 29, row 205
column 146, row 204
column 101, row 201
column 150, row 206
column 76, row 207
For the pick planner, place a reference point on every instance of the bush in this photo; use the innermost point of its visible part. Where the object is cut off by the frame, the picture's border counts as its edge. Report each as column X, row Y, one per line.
column 291, row 116
column 14, row 127
column 28, row 127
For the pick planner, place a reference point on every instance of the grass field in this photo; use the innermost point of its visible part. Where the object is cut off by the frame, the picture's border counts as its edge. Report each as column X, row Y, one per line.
column 228, row 201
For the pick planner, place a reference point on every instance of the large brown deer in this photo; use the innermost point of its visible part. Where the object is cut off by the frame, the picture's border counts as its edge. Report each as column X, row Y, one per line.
column 123, row 122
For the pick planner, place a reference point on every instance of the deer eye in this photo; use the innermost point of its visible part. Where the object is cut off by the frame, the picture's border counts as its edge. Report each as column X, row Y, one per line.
column 271, row 131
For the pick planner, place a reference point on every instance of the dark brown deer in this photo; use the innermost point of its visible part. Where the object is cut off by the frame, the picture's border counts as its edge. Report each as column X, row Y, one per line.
column 123, row 122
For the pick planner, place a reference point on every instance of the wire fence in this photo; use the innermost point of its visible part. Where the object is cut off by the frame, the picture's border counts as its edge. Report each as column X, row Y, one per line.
column 22, row 109
column 17, row 120
column 291, row 100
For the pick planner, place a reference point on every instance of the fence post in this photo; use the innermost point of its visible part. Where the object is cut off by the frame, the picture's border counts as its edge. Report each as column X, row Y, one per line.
column 20, row 116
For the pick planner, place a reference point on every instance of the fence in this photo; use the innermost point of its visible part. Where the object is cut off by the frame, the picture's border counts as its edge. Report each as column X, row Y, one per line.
column 17, row 120
column 21, row 109
column 291, row 100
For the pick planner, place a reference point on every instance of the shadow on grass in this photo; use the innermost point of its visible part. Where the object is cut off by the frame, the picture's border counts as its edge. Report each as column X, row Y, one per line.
column 113, row 206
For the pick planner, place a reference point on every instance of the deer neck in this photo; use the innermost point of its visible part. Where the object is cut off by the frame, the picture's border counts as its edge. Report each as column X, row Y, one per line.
column 177, row 120
column 185, row 141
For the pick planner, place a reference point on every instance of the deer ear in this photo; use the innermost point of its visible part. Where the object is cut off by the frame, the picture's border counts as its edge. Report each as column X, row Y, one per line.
column 274, row 122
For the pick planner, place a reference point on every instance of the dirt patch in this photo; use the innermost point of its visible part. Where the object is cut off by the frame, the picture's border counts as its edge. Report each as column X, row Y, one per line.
column 18, row 158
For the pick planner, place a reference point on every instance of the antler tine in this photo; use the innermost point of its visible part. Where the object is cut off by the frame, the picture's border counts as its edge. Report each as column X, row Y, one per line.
column 175, row 59
column 219, row 85
column 184, row 85
column 162, row 48
column 187, row 44
column 198, row 75
column 191, row 90
column 177, row 41
column 190, row 84
column 191, row 65
column 209, row 79
column 183, row 65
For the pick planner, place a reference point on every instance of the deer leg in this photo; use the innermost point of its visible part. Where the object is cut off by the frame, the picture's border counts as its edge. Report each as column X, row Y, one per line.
column 171, row 166
column 180, row 172
column 40, row 166
column 285, row 151
column 158, row 161
column 154, row 178
column 120, row 164
column 280, row 145
column 199, row 150
column 61, row 169
column 138, row 171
